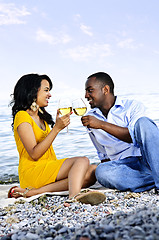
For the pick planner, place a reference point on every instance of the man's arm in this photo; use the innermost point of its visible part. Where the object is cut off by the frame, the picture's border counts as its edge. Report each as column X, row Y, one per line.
column 121, row 133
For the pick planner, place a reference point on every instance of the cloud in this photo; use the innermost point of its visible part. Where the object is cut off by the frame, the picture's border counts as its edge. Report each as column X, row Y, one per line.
column 156, row 52
column 83, row 53
column 10, row 14
column 85, row 29
column 77, row 17
column 127, row 43
column 43, row 36
column 65, row 38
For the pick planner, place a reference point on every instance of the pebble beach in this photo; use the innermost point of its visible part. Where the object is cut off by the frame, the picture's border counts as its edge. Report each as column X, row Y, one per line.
column 123, row 216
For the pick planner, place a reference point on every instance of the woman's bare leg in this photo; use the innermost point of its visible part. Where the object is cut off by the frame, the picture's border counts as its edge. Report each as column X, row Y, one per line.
column 80, row 179
column 61, row 185
column 75, row 169
column 90, row 178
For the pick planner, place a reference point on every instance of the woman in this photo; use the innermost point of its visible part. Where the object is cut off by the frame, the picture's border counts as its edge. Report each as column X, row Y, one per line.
column 39, row 169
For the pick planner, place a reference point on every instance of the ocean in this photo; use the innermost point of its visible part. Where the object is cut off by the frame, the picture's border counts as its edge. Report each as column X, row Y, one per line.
column 74, row 143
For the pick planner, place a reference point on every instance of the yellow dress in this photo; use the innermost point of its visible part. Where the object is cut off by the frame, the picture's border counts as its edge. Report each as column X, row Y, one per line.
column 35, row 173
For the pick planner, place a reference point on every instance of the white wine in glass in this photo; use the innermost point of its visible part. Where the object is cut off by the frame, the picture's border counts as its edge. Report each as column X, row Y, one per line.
column 65, row 107
column 79, row 106
column 64, row 111
column 80, row 111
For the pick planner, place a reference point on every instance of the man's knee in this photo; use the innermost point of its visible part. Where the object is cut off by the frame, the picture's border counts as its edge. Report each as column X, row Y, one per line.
column 144, row 127
column 143, row 122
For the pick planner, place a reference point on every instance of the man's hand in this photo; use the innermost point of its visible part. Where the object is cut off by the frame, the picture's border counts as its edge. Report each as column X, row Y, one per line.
column 91, row 122
column 121, row 133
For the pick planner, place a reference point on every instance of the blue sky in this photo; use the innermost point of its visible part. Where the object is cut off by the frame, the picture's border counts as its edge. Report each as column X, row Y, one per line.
column 68, row 40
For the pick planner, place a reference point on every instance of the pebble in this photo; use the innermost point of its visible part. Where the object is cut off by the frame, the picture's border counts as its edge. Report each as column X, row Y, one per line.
column 123, row 216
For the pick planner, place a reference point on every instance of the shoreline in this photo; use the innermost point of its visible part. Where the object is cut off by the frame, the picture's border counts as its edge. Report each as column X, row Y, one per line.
column 124, row 215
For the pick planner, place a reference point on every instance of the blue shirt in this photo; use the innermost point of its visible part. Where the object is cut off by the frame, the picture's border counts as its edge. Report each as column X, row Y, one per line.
column 124, row 113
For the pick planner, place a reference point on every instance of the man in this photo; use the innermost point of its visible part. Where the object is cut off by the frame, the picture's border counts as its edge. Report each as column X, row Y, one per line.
column 127, row 142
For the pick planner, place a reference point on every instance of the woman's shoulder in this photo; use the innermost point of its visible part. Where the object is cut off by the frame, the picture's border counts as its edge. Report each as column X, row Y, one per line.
column 22, row 116
column 22, row 113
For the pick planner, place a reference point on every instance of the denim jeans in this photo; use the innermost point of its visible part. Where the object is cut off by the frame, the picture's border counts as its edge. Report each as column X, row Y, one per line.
column 135, row 174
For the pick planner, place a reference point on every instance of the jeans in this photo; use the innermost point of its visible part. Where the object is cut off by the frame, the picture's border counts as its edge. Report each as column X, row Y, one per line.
column 135, row 174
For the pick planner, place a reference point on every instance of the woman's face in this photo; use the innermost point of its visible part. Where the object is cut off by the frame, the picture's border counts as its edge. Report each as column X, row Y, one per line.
column 43, row 94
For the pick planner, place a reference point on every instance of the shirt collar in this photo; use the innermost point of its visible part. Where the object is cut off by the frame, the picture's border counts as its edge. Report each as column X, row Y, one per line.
column 118, row 102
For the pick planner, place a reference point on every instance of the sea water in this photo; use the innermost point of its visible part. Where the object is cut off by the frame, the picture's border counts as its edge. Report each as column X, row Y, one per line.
column 74, row 143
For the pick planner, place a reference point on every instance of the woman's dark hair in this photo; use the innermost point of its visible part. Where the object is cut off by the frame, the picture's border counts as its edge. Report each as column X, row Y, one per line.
column 25, row 91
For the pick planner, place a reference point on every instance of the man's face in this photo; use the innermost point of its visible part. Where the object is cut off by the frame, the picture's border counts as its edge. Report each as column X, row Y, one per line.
column 94, row 92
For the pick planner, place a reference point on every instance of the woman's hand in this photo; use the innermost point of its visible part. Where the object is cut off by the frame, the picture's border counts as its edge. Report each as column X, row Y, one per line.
column 62, row 121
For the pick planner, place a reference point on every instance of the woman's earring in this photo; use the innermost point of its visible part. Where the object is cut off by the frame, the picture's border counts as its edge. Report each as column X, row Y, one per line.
column 34, row 106
column 41, row 111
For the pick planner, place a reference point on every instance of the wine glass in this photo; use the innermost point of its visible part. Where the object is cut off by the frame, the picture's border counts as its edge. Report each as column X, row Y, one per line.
column 79, row 108
column 65, row 107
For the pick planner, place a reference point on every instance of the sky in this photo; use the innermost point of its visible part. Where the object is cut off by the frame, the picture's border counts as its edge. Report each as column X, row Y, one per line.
column 71, row 39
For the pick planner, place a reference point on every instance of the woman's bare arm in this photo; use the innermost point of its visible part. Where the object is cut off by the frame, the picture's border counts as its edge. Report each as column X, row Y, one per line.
column 35, row 149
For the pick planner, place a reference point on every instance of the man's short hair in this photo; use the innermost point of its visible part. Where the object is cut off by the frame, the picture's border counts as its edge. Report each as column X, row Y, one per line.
column 105, row 79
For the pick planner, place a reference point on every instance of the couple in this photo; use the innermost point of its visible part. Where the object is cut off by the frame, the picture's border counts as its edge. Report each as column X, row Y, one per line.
column 126, row 141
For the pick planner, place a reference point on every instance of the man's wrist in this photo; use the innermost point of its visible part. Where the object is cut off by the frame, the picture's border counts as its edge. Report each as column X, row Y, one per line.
column 105, row 160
